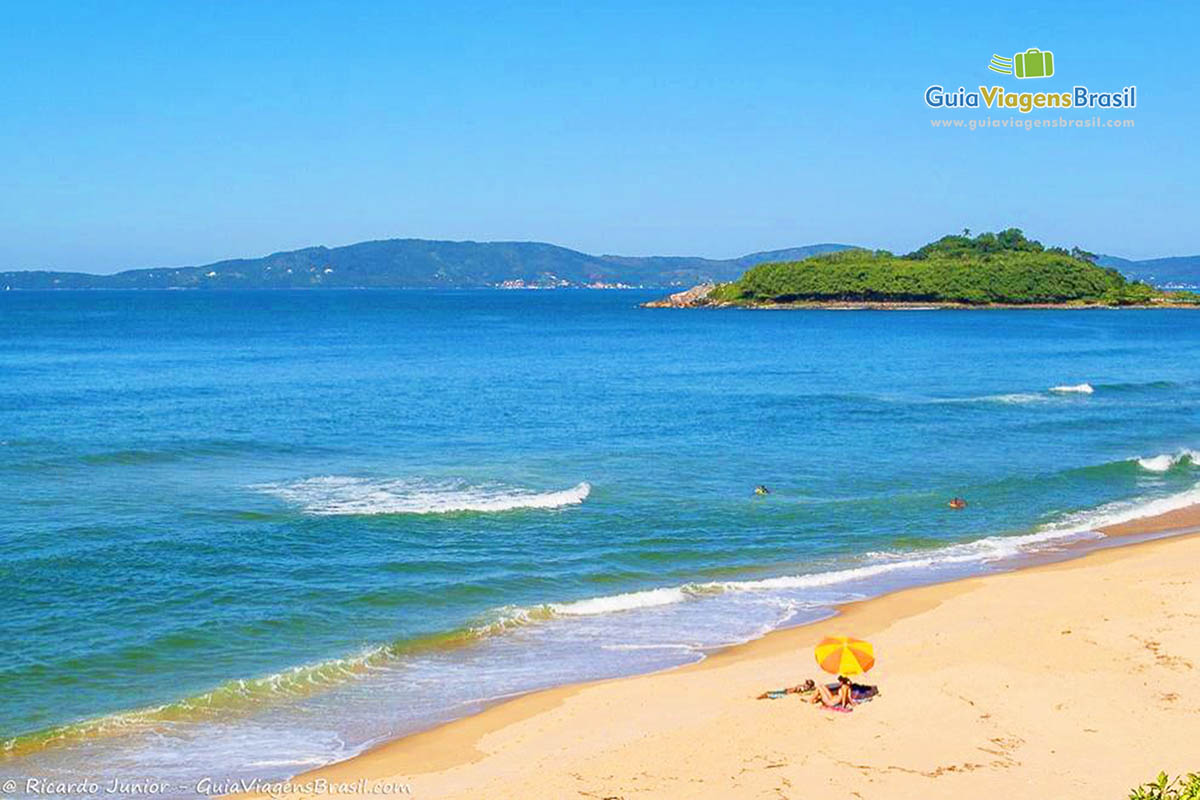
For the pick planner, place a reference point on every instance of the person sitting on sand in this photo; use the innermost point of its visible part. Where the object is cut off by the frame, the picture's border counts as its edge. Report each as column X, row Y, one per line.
column 843, row 699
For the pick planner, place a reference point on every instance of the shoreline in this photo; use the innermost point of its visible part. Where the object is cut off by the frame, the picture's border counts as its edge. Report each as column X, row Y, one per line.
column 872, row 305
column 441, row 755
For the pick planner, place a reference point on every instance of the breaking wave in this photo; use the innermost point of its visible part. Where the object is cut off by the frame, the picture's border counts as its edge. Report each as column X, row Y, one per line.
column 1121, row 511
column 333, row 495
column 1078, row 388
column 1167, row 461
column 623, row 602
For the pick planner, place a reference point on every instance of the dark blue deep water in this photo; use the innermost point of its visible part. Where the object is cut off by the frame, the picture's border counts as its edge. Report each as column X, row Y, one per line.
column 244, row 533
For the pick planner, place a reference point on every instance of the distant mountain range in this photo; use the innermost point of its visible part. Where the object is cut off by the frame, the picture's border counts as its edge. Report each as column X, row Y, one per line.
column 1177, row 272
column 421, row 263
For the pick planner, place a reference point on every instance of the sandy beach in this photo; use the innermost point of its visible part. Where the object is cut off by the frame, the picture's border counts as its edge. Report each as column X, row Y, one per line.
column 1071, row 679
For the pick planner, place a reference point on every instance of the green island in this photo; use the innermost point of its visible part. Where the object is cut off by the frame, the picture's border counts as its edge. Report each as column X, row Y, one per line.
column 1003, row 269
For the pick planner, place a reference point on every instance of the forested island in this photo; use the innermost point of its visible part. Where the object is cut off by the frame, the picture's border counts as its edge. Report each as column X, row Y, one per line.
column 990, row 269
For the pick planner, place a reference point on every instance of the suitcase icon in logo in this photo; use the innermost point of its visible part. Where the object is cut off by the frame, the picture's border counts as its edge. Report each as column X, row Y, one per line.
column 1033, row 63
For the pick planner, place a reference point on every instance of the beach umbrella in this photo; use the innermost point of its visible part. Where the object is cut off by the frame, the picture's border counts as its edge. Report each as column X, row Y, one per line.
column 843, row 655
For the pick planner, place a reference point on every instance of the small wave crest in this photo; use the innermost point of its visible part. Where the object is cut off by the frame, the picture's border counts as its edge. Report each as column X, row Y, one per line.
column 1167, row 461
column 333, row 495
column 1077, row 388
column 623, row 602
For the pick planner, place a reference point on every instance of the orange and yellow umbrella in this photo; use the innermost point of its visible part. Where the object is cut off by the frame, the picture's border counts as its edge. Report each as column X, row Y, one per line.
column 842, row 655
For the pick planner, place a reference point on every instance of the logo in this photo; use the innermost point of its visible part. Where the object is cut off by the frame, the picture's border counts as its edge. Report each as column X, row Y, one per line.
column 1033, row 63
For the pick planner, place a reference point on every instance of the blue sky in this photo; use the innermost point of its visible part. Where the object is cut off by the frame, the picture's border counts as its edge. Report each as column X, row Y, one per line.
column 147, row 134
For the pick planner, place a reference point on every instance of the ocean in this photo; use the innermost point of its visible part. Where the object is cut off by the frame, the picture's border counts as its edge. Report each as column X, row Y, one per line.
column 247, row 533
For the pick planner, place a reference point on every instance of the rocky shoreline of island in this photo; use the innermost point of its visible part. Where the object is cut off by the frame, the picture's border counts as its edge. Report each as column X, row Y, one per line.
column 700, row 296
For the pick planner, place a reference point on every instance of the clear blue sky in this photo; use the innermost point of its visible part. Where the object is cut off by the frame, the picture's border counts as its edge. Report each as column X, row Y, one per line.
column 149, row 133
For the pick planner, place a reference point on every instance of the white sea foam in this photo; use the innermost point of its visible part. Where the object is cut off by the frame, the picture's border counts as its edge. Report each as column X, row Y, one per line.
column 621, row 602
column 1011, row 398
column 340, row 495
column 1078, row 388
column 1016, row 398
column 288, row 762
column 1126, row 511
column 1165, row 461
column 635, row 647
column 1160, row 463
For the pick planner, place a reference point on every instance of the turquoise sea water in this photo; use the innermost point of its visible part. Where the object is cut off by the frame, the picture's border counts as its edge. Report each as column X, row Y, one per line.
column 247, row 533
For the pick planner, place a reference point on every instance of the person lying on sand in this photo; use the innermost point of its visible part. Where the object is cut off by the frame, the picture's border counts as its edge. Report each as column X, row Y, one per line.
column 843, row 699
column 802, row 688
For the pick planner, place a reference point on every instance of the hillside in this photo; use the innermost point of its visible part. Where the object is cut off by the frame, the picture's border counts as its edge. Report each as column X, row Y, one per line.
column 1177, row 272
column 1003, row 268
column 419, row 263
